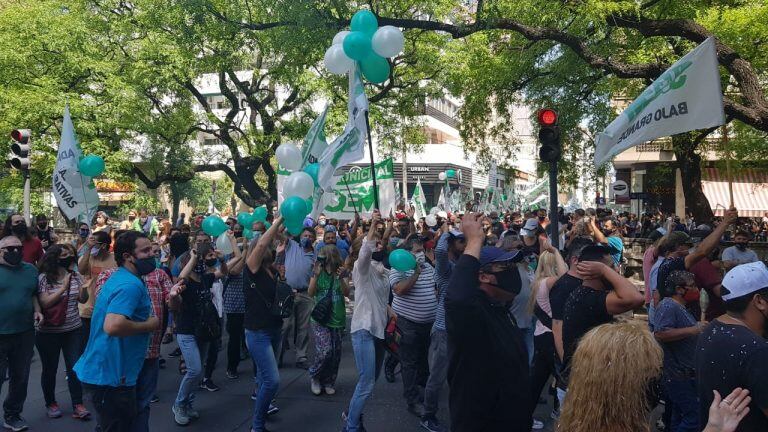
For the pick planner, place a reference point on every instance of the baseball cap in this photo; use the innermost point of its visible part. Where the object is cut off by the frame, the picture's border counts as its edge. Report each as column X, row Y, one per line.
column 491, row 254
column 529, row 229
column 677, row 238
column 745, row 279
column 456, row 233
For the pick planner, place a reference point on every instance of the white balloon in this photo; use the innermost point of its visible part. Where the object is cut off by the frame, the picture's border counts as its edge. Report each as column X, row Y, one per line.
column 388, row 41
column 299, row 184
column 223, row 244
column 431, row 220
column 336, row 61
column 434, row 210
column 339, row 38
column 289, row 156
column 441, row 176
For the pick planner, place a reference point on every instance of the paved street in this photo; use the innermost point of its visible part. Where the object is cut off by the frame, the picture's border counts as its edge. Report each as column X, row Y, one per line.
column 230, row 409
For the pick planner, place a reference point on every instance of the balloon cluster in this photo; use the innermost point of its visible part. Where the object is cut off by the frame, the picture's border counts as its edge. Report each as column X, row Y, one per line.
column 367, row 44
column 91, row 165
column 447, row 174
column 298, row 188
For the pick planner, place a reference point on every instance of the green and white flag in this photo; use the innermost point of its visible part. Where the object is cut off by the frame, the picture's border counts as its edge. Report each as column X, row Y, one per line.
column 686, row 97
column 352, row 191
column 350, row 145
column 315, row 142
column 75, row 193
column 419, row 201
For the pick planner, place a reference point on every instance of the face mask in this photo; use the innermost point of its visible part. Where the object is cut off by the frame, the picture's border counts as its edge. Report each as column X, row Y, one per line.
column 144, row 266
column 741, row 246
column 19, row 230
column 321, row 259
column 508, row 280
column 157, row 262
column 84, row 233
column 42, row 226
column 691, row 295
column 12, row 257
column 210, row 262
column 321, row 222
column 95, row 251
column 66, row 262
column 306, row 242
column 419, row 257
column 378, row 256
column 238, row 234
column 517, row 227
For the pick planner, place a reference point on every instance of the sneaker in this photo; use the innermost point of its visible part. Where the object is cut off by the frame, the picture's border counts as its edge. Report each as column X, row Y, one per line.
column 232, row 375
column 302, row 364
column 15, row 423
column 329, row 390
column 389, row 373
column 555, row 413
column 660, row 426
column 191, row 412
column 155, row 399
column 537, row 425
column 180, row 415
column 175, row 353
column 416, row 409
column 432, row 425
column 314, row 385
column 209, row 385
column 254, row 395
column 79, row 412
column 53, row 410
column 273, row 409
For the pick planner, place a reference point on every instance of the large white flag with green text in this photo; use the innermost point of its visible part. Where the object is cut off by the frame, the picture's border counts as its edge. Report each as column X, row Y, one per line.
column 686, row 97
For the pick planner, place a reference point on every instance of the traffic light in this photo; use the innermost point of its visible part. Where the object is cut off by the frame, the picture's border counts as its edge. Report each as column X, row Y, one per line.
column 549, row 136
column 20, row 149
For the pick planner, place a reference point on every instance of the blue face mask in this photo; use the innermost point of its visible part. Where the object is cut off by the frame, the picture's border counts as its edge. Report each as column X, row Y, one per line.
column 305, row 242
column 157, row 262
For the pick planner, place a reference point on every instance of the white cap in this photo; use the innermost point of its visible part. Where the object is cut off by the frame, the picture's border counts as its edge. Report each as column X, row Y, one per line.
column 529, row 227
column 442, row 214
column 745, row 279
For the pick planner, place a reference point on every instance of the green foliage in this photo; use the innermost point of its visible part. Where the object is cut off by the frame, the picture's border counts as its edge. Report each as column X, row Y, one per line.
column 140, row 199
column 198, row 192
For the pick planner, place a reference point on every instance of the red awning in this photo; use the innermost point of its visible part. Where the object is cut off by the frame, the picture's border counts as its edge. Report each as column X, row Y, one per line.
column 750, row 191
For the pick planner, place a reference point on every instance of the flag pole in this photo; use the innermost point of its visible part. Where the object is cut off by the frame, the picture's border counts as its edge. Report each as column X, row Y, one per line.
column 354, row 206
column 728, row 164
column 373, row 167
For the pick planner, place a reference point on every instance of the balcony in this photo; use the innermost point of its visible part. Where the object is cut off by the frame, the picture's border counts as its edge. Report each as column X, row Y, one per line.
column 441, row 116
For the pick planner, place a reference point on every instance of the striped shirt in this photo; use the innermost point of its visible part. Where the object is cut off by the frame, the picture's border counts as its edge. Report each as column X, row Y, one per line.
column 420, row 303
column 72, row 320
column 443, row 269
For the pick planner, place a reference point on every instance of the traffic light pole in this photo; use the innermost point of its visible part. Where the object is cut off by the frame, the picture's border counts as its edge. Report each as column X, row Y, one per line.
column 554, row 222
column 27, row 215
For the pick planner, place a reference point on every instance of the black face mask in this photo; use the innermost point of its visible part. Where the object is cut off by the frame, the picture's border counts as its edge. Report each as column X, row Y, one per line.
column 19, row 230
column 742, row 246
column 66, row 262
column 12, row 256
column 509, row 280
column 378, row 256
column 84, row 233
column 238, row 234
column 517, row 227
column 145, row 266
column 42, row 226
column 210, row 262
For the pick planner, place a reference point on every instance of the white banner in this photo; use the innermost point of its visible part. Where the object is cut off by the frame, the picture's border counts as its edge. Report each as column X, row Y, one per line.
column 684, row 98
column 75, row 193
column 419, row 201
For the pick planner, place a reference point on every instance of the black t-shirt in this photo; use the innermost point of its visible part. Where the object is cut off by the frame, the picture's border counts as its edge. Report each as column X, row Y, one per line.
column 584, row 310
column 191, row 300
column 560, row 292
column 730, row 356
column 259, row 288
column 488, row 371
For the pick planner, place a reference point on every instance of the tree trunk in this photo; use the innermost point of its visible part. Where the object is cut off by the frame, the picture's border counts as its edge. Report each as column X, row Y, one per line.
column 175, row 202
column 689, row 163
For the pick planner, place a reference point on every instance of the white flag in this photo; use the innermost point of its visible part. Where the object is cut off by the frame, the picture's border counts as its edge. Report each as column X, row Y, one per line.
column 684, row 98
column 441, row 200
column 419, row 201
column 350, row 145
column 314, row 142
column 75, row 193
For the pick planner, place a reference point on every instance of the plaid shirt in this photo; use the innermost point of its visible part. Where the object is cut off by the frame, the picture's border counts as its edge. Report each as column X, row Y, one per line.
column 158, row 286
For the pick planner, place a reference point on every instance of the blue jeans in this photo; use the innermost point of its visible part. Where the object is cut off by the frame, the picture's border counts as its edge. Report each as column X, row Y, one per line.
column 146, row 385
column 685, row 404
column 528, row 339
column 369, row 355
column 192, row 351
column 263, row 344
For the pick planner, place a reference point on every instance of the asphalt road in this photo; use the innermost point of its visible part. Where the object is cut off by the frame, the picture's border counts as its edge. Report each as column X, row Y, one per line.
column 230, row 408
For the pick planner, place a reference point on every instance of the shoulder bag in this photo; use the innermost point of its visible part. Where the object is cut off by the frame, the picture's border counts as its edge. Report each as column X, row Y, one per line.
column 323, row 310
column 281, row 305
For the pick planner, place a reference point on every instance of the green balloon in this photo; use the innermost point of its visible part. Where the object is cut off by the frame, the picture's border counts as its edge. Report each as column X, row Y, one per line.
column 357, row 45
column 375, row 68
column 247, row 233
column 91, row 165
column 402, row 260
column 313, row 170
column 294, row 228
column 450, row 173
column 294, row 209
column 214, row 226
column 244, row 219
column 260, row 214
column 267, row 225
column 364, row 21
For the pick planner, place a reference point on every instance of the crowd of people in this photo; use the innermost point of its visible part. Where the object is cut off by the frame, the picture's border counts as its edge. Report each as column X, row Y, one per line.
column 490, row 309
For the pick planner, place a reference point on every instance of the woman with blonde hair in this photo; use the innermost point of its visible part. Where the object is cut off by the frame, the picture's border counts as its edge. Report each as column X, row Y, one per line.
column 604, row 396
column 327, row 283
column 550, row 267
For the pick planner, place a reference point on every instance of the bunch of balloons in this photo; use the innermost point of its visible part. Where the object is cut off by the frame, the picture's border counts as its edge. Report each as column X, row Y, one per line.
column 447, row 174
column 91, row 165
column 367, row 44
column 298, row 188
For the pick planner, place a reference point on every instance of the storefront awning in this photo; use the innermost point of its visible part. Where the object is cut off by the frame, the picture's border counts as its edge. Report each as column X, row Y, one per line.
column 750, row 191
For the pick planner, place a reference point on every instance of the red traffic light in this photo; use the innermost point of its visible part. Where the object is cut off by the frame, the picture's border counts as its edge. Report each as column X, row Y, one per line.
column 21, row 135
column 547, row 117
